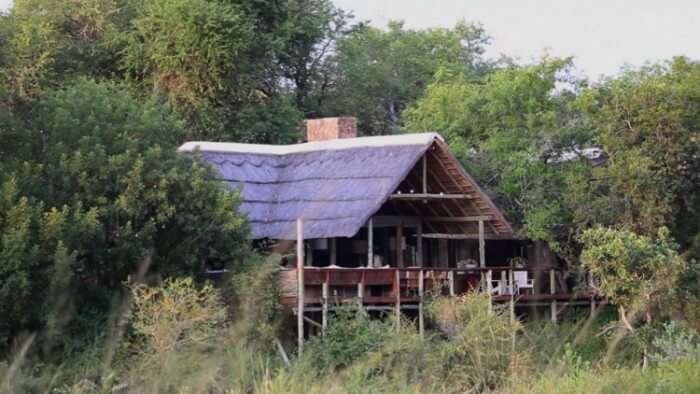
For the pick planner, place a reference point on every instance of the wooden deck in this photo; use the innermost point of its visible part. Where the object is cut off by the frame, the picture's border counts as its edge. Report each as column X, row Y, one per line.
column 387, row 288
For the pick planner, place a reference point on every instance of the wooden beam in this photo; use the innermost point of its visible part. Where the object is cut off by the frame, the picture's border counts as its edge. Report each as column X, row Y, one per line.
column 300, row 285
column 464, row 236
column 482, row 245
column 455, row 180
column 430, row 196
column 457, row 219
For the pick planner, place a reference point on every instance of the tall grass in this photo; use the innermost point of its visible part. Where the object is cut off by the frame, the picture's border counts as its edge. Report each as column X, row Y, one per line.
column 183, row 338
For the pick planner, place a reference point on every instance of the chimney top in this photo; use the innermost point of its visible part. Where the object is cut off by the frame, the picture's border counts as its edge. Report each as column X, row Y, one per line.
column 330, row 128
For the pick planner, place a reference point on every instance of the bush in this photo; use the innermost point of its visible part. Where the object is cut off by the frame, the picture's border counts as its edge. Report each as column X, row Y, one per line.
column 350, row 334
column 101, row 195
column 676, row 342
column 480, row 341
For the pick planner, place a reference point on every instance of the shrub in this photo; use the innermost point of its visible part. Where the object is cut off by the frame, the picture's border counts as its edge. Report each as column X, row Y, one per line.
column 480, row 347
column 350, row 333
column 676, row 342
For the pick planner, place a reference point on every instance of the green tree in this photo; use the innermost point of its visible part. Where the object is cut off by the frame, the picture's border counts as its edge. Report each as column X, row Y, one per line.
column 513, row 131
column 104, row 193
column 49, row 41
column 381, row 72
column 647, row 122
column 633, row 271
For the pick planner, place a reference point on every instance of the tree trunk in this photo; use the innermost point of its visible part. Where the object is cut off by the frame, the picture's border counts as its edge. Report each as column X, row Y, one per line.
column 623, row 318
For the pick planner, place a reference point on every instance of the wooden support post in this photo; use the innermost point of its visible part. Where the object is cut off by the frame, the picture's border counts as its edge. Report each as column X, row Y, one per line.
column 334, row 251
column 324, row 311
column 370, row 243
column 425, row 175
column 489, row 284
column 512, row 295
column 399, row 245
column 397, row 290
column 421, row 323
column 451, row 279
column 360, row 294
column 489, row 288
column 552, row 291
column 503, row 285
column 590, row 289
column 512, row 306
column 309, row 254
column 419, row 244
column 482, row 245
column 300, row 285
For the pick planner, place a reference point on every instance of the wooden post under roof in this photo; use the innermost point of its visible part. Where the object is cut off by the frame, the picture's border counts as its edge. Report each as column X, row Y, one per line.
column 370, row 243
column 482, row 245
column 399, row 245
column 425, row 175
column 300, row 285
column 334, row 251
column 419, row 244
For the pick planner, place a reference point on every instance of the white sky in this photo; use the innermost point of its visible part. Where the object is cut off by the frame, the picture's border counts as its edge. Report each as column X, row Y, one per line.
column 602, row 35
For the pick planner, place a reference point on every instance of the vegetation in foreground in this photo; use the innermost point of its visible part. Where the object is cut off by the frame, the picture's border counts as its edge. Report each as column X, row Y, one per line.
column 100, row 219
column 181, row 338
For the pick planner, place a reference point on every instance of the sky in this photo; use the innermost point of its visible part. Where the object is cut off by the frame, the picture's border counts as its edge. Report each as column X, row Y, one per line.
column 602, row 35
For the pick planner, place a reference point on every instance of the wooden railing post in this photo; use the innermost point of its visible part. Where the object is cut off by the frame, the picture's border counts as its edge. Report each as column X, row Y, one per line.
column 324, row 312
column 503, row 285
column 451, row 279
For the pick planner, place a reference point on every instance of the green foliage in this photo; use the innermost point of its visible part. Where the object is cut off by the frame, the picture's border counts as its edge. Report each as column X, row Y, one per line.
column 626, row 264
column 676, row 342
column 255, row 298
column 189, row 51
column 52, row 41
column 381, row 72
column 633, row 270
column 511, row 130
column 646, row 120
column 174, row 316
column 350, row 334
column 480, row 340
column 103, row 195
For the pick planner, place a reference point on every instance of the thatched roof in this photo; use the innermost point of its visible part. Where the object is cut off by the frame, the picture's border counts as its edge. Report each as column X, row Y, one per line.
column 335, row 186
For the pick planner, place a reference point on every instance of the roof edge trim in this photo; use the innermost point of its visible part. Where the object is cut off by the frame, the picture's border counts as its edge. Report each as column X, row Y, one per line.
column 338, row 144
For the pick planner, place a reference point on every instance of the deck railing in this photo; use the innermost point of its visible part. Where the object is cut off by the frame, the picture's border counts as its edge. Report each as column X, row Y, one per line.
column 383, row 286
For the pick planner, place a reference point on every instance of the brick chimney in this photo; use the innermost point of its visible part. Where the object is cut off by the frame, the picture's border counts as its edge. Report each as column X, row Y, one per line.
column 330, row 128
